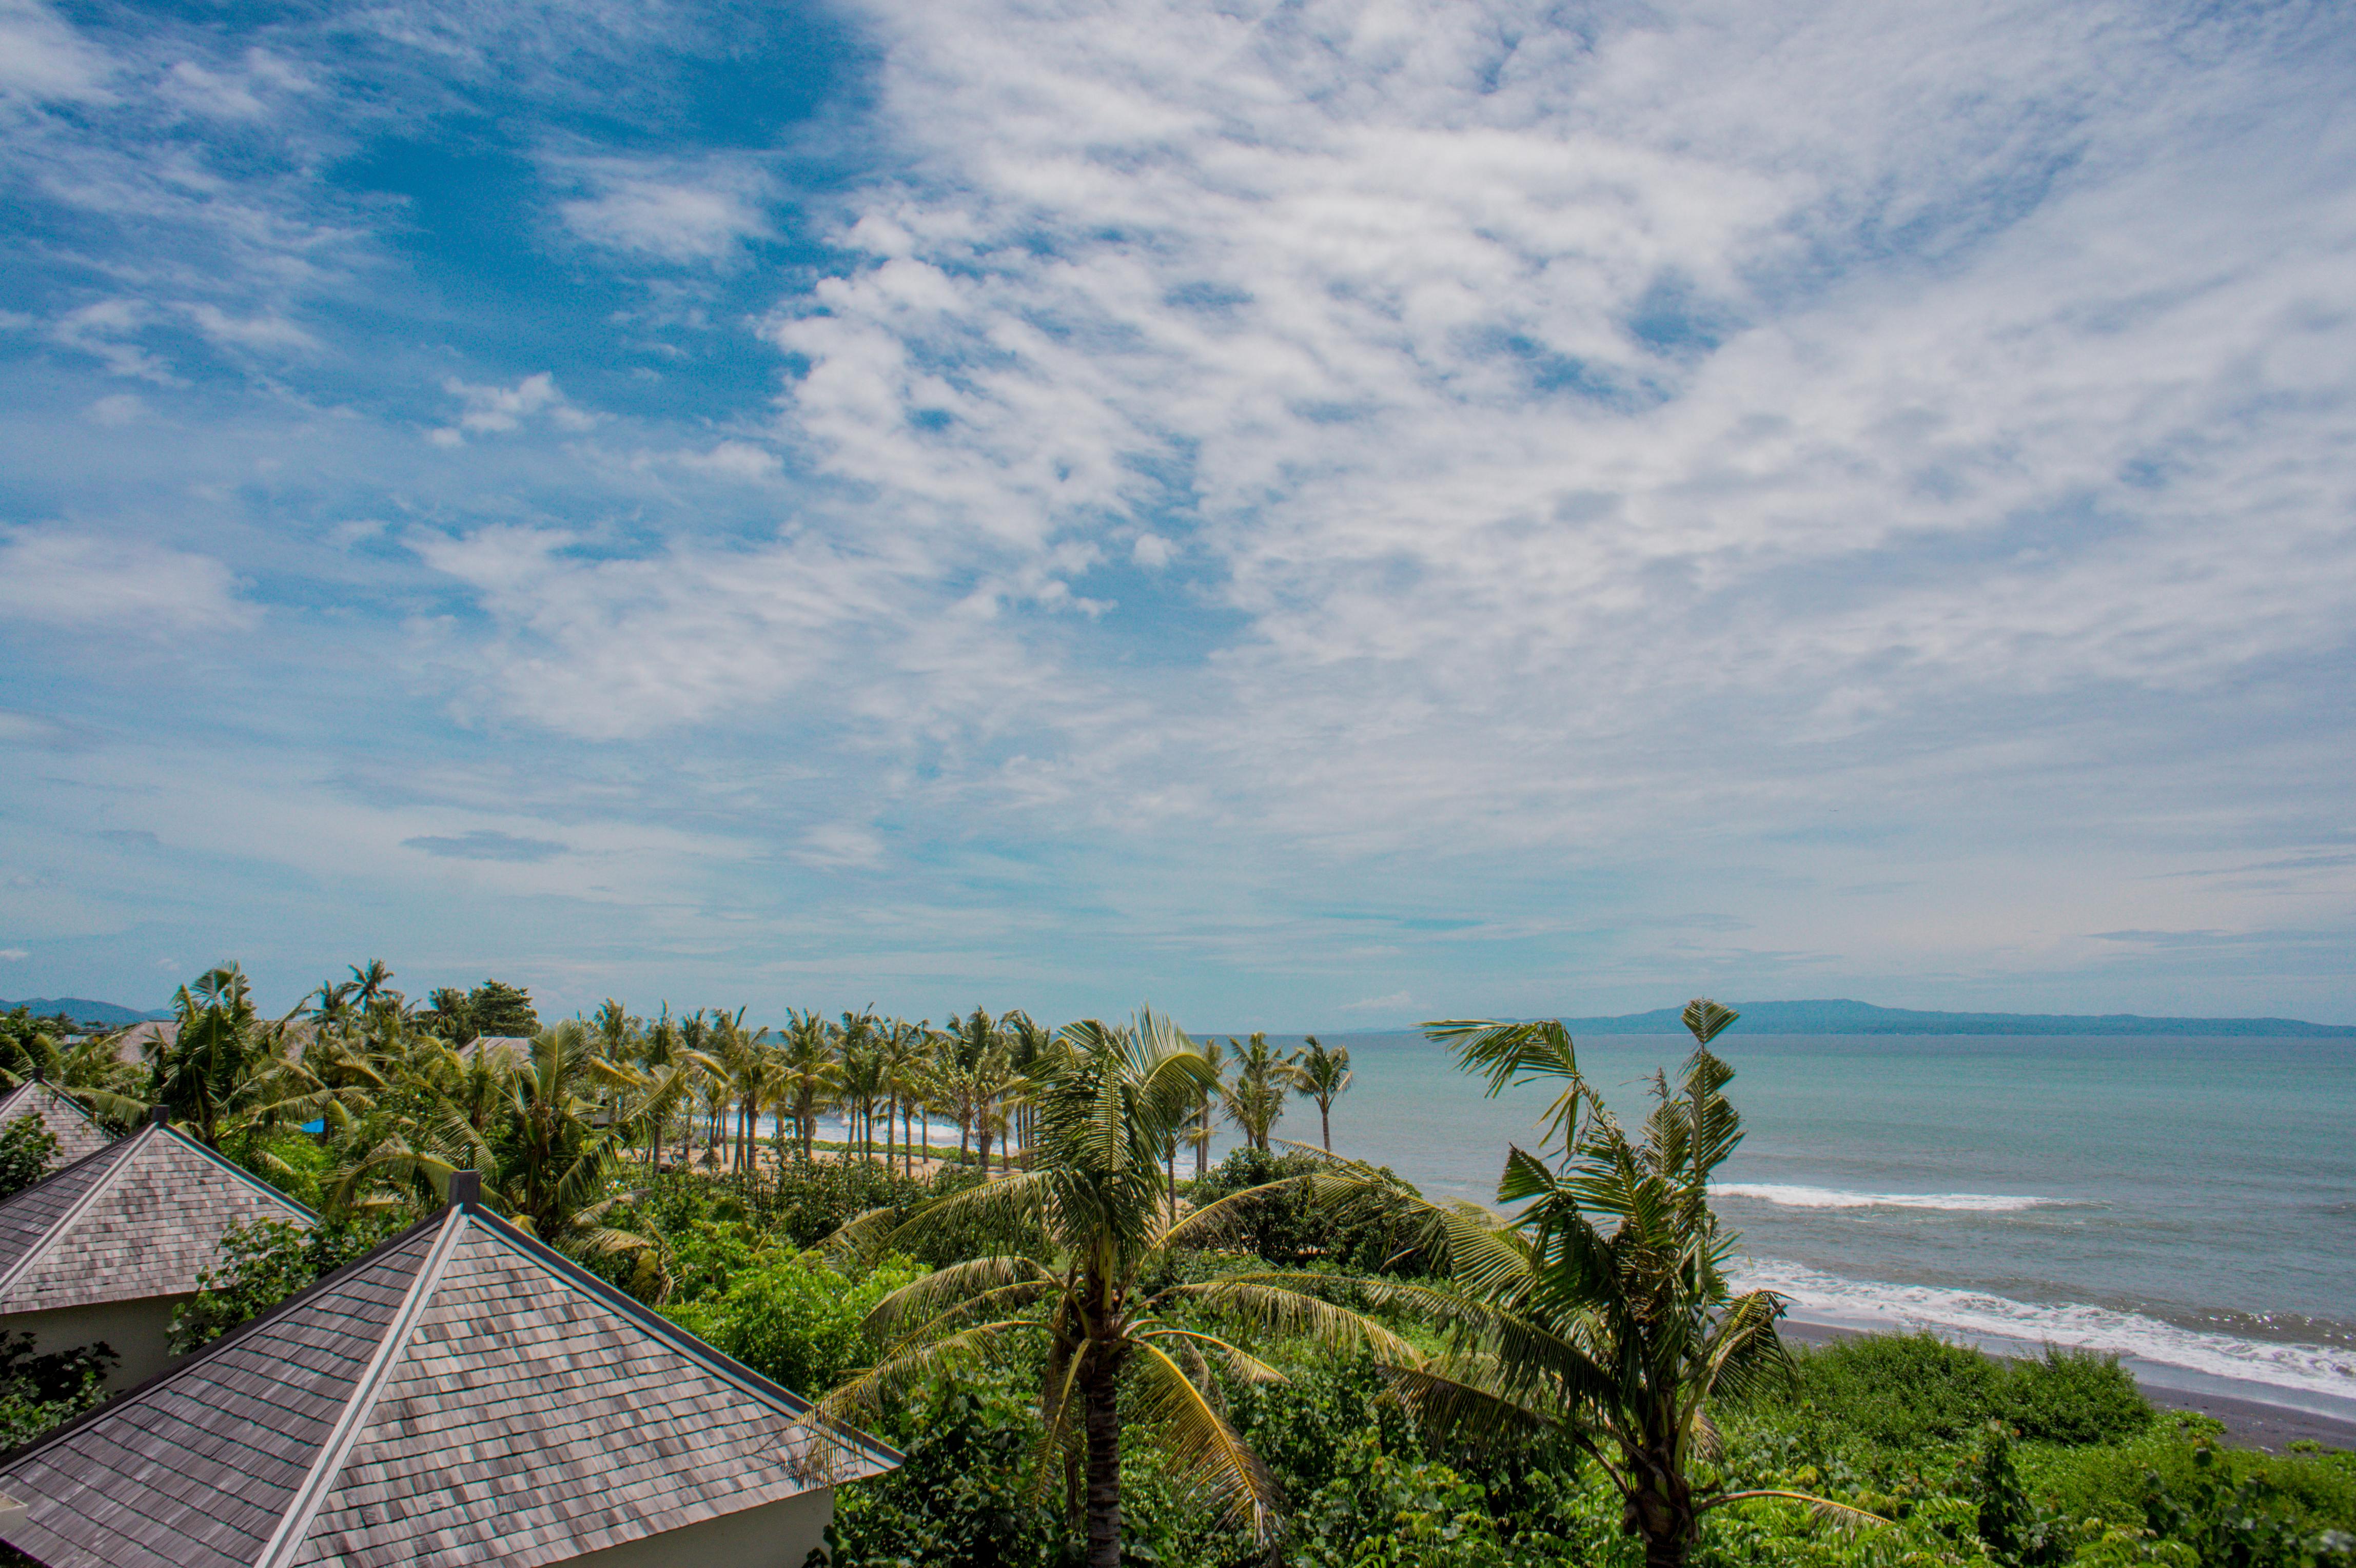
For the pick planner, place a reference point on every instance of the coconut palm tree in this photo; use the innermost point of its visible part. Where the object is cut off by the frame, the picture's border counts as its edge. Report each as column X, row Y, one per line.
column 1085, row 1249
column 1254, row 1101
column 548, row 1155
column 808, row 1076
column 1599, row 1317
column 1215, row 1090
column 224, row 1066
column 1323, row 1073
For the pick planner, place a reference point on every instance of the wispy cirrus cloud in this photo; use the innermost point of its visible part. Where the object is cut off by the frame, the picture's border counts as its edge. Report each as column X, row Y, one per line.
column 60, row 577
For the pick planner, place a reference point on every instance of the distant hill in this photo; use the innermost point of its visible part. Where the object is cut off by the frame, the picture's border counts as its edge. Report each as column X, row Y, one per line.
column 1844, row 1017
column 82, row 1010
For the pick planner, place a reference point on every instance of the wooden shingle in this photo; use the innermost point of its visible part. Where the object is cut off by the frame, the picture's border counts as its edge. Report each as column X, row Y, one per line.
column 463, row 1395
column 76, row 1131
column 142, row 1216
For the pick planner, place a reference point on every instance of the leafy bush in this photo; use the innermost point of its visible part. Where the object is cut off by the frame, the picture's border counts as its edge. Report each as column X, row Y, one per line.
column 39, row 1392
column 1902, row 1391
column 27, row 1151
column 1288, row 1229
column 796, row 1323
column 262, row 1263
column 964, row 1496
column 2074, row 1396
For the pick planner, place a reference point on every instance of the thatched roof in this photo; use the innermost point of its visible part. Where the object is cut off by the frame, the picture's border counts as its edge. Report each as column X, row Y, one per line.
column 140, row 1217
column 76, row 1132
column 461, row 1395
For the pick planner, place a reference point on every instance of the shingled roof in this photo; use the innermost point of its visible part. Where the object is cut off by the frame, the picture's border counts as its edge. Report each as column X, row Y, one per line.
column 76, row 1131
column 461, row 1395
column 140, row 1217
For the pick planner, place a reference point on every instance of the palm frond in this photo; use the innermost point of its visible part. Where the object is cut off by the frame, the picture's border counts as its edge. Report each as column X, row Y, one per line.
column 1203, row 1448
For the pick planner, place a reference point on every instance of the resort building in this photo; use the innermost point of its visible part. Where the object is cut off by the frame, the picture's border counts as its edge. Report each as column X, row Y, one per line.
column 76, row 1131
column 462, row 1395
column 105, row 1248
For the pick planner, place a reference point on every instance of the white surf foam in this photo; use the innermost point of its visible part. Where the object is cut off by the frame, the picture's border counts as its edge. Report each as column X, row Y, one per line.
column 1835, row 1198
column 1977, row 1314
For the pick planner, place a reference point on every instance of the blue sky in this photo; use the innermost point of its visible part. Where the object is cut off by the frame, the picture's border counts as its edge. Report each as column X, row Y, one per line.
column 1314, row 515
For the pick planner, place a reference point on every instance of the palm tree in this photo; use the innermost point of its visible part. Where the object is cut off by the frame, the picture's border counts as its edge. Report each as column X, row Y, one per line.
column 807, row 1074
column 1255, row 1101
column 1216, row 1089
column 548, row 1157
column 1027, row 1047
column 1087, row 1247
column 371, row 984
column 1323, row 1073
column 1599, row 1317
column 224, row 1064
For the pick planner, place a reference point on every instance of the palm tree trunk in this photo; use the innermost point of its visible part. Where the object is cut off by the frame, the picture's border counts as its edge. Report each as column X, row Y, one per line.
column 1101, row 1391
column 1325, row 1125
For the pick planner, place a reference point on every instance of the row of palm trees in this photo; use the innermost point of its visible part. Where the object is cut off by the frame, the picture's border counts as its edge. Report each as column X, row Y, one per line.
column 1598, row 1322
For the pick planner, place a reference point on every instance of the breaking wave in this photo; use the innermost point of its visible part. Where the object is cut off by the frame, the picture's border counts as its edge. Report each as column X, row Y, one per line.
column 1835, row 1198
column 2329, row 1370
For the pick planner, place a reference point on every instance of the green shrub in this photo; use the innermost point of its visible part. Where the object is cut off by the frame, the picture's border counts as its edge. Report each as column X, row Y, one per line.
column 1900, row 1391
column 1907, row 1391
column 39, row 1392
column 2074, row 1396
column 796, row 1323
column 263, row 1262
column 28, row 1151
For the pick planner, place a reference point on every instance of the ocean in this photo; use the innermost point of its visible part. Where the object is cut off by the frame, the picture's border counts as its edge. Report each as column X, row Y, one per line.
column 2188, row 1204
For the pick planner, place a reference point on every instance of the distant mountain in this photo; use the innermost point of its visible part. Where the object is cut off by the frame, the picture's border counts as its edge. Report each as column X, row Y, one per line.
column 1844, row 1017
column 82, row 1010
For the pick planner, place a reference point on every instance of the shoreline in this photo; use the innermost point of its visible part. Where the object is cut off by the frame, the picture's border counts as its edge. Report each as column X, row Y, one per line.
column 2249, row 1423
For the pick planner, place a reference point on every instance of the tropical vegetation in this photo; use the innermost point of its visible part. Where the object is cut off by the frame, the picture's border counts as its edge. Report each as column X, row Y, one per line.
column 981, row 1237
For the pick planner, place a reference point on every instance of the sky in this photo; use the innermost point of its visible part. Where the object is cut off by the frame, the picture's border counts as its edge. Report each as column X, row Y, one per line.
column 1321, row 514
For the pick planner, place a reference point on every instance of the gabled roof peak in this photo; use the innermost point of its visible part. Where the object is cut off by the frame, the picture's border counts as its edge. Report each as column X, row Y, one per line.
column 462, row 1394
column 140, row 1217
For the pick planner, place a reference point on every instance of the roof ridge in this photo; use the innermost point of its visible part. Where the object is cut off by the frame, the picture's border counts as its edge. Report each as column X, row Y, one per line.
column 11, row 1458
column 47, row 1091
column 711, row 1357
column 267, row 1189
column 328, row 1463
column 122, row 1149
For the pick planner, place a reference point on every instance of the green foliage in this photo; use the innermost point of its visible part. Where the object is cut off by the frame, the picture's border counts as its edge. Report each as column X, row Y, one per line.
column 1900, row 1391
column 295, row 1165
column 39, row 1392
column 964, row 1496
column 28, row 1152
column 260, row 1265
column 796, row 1323
column 2234, row 1506
column 1289, row 1228
column 493, row 1008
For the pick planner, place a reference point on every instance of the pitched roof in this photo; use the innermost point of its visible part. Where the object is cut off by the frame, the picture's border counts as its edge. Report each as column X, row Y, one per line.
column 461, row 1395
column 76, row 1131
column 140, row 1217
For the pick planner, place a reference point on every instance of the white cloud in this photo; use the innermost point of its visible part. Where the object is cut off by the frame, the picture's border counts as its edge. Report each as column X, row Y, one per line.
column 117, row 409
column 15, row 955
column 679, row 213
column 42, row 57
column 76, row 579
column 249, row 332
column 493, row 409
column 731, row 460
column 611, row 648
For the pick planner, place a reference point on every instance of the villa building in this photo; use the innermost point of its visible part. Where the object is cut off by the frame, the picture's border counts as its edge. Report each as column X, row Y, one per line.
column 106, row 1248
column 462, row 1395
column 76, row 1131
